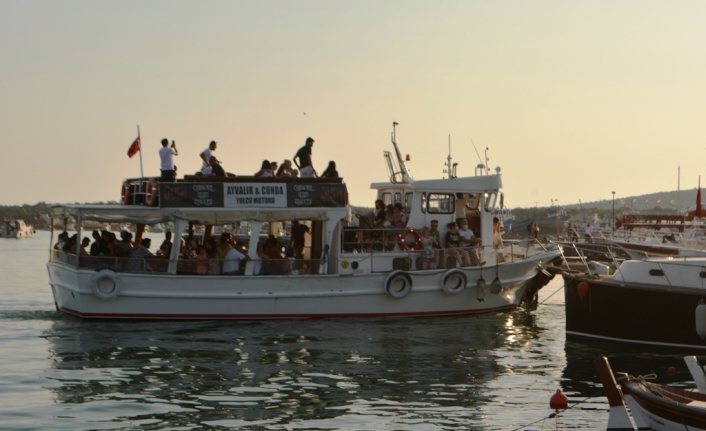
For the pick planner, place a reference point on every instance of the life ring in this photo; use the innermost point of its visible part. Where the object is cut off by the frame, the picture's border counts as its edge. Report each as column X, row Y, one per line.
column 151, row 196
column 409, row 239
column 454, row 281
column 398, row 284
column 125, row 193
column 106, row 285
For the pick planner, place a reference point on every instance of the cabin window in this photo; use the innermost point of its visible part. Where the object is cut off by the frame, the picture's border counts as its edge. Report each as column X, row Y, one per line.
column 440, row 203
column 408, row 202
column 387, row 198
column 424, row 203
column 489, row 200
column 398, row 198
column 656, row 273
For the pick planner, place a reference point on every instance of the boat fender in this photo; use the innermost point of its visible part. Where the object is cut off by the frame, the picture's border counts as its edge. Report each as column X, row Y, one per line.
column 701, row 320
column 125, row 193
column 398, row 284
column 151, row 190
column 106, row 285
column 454, row 281
column 409, row 239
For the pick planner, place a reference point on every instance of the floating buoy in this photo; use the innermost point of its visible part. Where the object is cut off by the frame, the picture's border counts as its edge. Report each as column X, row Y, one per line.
column 701, row 320
column 559, row 401
column 671, row 371
column 582, row 289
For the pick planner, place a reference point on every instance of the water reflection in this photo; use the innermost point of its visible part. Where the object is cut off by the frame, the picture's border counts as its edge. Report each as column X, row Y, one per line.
column 367, row 374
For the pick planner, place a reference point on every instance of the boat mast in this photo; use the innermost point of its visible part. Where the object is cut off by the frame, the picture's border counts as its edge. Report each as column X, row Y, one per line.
column 406, row 177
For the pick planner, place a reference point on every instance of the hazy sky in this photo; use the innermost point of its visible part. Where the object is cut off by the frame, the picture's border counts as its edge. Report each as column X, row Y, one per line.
column 574, row 99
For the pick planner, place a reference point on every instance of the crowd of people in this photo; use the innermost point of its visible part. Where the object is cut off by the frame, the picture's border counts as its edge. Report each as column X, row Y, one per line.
column 459, row 241
column 211, row 166
column 222, row 255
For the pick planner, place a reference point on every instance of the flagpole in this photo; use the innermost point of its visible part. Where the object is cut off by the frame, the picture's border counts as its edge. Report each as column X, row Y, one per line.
column 142, row 175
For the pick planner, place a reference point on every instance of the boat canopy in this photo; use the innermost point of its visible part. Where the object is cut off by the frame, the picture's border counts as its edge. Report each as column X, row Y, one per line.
column 209, row 216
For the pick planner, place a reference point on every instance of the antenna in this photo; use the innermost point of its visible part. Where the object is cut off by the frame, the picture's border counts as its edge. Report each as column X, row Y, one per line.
column 406, row 177
column 449, row 167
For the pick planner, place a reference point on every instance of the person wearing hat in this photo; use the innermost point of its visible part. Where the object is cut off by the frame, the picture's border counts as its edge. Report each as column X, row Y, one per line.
column 207, row 154
column 137, row 261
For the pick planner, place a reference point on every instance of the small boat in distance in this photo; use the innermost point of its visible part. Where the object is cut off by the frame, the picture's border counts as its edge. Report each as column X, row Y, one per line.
column 16, row 229
column 337, row 270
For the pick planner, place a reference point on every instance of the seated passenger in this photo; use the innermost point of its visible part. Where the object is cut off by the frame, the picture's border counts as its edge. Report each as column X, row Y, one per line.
column 453, row 243
column 399, row 217
column 265, row 170
column 273, row 167
column 272, row 262
column 469, row 241
column 379, row 213
column 125, row 245
column 429, row 256
column 216, row 168
column 201, row 260
column 330, row 171
column 285, row 170
column 137, row 260
column 231, row 263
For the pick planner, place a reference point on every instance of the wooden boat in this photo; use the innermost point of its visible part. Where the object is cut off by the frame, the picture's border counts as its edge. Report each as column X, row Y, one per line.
column 345, row 271
column 638, row 404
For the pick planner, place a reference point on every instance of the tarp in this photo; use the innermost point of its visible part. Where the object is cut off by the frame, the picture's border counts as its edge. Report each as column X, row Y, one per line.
column 148, row 215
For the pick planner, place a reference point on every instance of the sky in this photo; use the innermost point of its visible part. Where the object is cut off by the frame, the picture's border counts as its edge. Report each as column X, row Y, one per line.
column 573, row 99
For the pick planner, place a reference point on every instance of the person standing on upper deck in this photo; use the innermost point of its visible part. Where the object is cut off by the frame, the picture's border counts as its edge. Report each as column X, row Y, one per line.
column 207, row 154
column 303, row 160
column 166, row 155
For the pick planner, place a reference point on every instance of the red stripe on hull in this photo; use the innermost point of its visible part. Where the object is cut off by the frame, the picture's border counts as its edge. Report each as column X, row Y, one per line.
column 272, row 316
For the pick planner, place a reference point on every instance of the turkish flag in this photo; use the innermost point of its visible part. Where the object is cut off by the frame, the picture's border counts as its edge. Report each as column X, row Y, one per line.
column 134, row 148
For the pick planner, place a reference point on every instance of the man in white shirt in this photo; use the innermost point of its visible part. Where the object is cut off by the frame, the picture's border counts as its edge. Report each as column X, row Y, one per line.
column 166, row 155
column 588, row 233
column 468, row 240
column 231, row 261
column 207, row 154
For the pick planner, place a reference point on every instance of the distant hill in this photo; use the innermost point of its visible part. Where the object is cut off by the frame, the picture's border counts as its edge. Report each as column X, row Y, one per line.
column 661, row 202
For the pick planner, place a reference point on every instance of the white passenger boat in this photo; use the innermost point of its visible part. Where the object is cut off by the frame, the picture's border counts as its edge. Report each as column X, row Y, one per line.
column 346, row 271
column 16, row 229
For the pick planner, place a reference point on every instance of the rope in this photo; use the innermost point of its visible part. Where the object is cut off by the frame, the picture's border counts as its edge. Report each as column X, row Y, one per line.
column 556, row 414
column 554, row 293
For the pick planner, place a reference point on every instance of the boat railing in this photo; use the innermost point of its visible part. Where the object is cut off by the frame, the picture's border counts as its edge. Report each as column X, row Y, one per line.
column 415, row 259
column 289, row 266
column 586, row 255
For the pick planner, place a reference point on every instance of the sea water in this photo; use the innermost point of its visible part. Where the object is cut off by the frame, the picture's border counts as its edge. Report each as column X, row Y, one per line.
column 493, row 371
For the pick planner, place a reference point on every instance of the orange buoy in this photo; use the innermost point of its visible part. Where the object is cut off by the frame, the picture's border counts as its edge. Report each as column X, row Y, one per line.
column 672, row 371
column 582, row 289
column 559, row 401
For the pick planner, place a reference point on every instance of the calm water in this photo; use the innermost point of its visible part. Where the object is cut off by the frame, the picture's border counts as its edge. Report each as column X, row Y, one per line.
column 489, row 372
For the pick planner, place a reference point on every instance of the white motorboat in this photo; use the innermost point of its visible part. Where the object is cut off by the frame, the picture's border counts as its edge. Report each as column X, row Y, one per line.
column 16, row 229
column 345, row 271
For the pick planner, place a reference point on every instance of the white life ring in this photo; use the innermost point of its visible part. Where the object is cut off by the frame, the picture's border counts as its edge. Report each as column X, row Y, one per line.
column 454, row 281
column 398, row 284
column 106, row 285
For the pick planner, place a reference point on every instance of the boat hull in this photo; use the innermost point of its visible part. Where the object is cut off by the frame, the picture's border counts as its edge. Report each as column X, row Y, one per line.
column 166, row 296
column 662, row 414
column 634, row 313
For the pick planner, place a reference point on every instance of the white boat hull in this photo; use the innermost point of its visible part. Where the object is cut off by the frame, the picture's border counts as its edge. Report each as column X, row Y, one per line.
column 166, row 296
